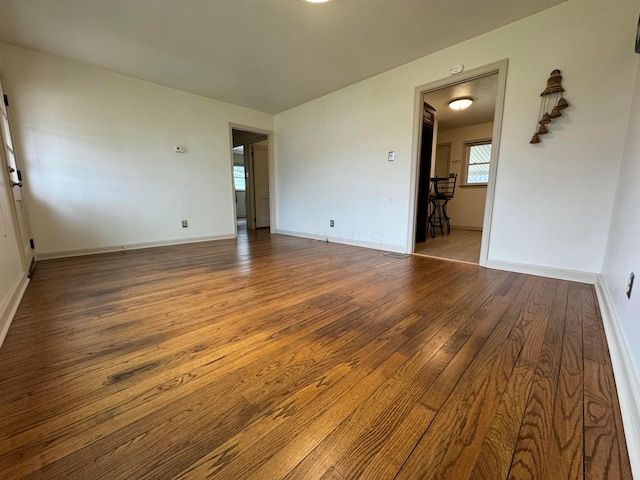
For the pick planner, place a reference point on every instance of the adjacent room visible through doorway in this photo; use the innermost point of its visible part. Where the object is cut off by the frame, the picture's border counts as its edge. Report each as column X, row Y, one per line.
column 454, row 168
column 251, row 180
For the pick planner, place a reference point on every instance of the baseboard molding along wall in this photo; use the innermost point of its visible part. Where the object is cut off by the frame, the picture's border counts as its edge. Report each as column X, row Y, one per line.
column 550, row 272
column 344, row 241
column 10, row 305
column 132, row 246
column 627, row 381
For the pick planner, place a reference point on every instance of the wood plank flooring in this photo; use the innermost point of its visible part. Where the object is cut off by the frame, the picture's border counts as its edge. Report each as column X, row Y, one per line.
column 460, row 244
column 276, row 357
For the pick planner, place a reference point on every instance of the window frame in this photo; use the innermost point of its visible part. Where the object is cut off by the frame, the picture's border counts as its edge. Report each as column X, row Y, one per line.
column 467, row 154
column 244, row 176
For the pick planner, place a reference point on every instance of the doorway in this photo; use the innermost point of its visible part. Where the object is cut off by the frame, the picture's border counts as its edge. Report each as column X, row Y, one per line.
column 251, row 180
column 456, row 163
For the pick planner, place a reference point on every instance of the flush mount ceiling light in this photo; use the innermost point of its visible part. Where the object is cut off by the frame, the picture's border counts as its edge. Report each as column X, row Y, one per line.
column 461, row 103
column 316, row 1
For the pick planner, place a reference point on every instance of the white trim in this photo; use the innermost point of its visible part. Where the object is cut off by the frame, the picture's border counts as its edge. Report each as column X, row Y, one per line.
column 26, row 253
column 627, row 381
column 541, row 271
column 344, row 241
column 272, row 172
column 465, row 164
column 132, row 246
column 10, row 305
column 496, row 137
column 500, row 68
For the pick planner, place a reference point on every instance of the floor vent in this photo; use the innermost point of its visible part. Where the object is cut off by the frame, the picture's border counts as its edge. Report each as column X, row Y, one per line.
column 396, row 255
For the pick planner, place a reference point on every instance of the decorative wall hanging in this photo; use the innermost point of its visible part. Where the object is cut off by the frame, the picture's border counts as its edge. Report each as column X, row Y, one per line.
column 550, row 106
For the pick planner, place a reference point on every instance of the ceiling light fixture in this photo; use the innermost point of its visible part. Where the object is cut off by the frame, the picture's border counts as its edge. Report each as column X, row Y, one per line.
column 317, row 1
column 461, row 103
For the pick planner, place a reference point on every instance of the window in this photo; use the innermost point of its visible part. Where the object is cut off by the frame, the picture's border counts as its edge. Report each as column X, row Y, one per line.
column 477, row 162
column 239, row 179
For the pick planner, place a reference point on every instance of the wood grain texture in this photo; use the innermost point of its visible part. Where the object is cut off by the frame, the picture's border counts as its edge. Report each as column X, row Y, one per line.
column 565, row 461
column 279, row 357
column 532, row 448
column 460, row 244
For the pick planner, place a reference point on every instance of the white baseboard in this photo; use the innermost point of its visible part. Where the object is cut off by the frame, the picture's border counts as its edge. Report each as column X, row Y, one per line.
column 132, row 246
column 559, row 273
column 345, row 241
column 10, row 305
column 627, row 381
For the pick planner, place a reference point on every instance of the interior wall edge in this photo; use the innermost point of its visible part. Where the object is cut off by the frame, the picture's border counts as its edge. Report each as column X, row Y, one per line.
column 627, row 381
column 10, row 305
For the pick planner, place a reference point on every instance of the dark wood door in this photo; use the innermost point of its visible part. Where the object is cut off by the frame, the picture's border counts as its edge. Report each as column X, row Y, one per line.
column 423, row 183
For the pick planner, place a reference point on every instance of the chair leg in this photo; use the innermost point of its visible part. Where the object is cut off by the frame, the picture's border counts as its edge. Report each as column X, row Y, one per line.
column 446, row 217
column 431, row 218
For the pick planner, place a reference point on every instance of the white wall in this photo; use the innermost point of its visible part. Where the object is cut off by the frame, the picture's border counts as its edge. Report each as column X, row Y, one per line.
column 466, row 209
column 621, row 314
column 553, row 201
column 623, row 250
column 98, row 156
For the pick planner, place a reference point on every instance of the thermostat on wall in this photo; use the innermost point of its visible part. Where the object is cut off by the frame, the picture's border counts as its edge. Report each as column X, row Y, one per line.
column 179, row 149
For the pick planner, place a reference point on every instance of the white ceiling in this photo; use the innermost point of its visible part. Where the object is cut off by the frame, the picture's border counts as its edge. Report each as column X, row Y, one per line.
column 483, row 91
column 268, row 55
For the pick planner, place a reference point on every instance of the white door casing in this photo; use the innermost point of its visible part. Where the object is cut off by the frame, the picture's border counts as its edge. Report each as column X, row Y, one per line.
column 12, row 166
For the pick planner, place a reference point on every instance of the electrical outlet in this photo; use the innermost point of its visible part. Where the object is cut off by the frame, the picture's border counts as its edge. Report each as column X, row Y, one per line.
column 632, row 276
column 185, row 223
column 331, row 223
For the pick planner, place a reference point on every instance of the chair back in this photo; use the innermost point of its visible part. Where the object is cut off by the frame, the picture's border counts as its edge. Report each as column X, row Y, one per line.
column 446, row 188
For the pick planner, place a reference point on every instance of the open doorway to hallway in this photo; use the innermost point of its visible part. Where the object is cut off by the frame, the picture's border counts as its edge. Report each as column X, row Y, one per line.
column 456, row 166
column 251, row 180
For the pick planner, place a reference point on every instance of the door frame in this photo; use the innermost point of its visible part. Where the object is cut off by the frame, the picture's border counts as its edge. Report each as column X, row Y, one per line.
column 249, row 168
column 501, row 69
column 27, row 261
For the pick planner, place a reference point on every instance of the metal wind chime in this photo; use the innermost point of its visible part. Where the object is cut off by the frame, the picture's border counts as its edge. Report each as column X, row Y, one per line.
column 551, row 99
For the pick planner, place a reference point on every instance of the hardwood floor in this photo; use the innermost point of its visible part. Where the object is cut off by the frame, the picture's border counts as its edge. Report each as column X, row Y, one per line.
column 460, row 244
column 278, row 357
